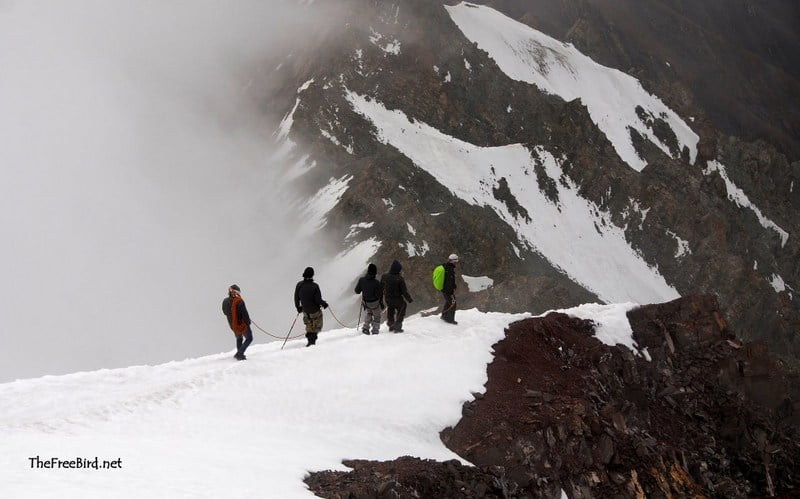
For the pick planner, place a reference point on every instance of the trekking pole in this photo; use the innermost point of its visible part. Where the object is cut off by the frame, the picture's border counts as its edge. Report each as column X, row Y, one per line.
column 360, row 308
column 290, row 330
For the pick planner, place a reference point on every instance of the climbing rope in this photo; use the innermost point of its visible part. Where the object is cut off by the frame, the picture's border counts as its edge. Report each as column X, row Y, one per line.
column 274, row 336
column 340, row 322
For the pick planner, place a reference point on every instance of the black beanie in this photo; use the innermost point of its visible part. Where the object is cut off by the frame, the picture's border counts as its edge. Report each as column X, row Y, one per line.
column 235, row 287
column 372, row 269
column 308, row 273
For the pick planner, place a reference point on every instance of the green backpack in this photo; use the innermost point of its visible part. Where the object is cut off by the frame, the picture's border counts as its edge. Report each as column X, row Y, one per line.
column 438, row 277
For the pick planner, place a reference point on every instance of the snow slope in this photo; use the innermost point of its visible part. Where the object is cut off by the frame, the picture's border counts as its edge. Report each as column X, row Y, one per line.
column 212, row 427
column 571, row 232
column 558, row 68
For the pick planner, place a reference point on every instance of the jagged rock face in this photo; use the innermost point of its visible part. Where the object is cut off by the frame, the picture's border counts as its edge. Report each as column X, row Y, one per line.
column 408, row 478
column 723, row 222
column 707, row 416
column 563, row 408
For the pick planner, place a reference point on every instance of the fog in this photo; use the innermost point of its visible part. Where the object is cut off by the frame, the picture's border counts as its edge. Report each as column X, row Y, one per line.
column 136, row 181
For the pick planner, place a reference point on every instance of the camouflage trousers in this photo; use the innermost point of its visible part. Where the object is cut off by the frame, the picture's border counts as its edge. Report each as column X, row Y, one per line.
column 313, row 322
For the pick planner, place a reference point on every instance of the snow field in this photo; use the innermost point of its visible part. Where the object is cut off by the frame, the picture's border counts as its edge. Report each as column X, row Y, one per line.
column 213, row 427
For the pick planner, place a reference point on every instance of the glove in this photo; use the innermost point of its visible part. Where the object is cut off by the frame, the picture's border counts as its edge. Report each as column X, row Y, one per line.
column 324, row 304
column 299, row 310
column 410, row 300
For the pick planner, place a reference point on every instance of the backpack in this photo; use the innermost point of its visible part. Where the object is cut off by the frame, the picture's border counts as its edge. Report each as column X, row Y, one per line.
column 438, row 278
column 238, row 326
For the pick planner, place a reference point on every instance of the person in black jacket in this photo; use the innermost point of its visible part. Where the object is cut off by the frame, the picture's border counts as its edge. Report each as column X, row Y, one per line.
column 238, row 319
column 397, row 297
column 371, row 291
column 449, row 290
column 308, row 300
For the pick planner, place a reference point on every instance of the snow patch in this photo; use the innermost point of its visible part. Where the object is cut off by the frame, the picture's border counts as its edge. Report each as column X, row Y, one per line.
column 777, row 283
column 390, row 47
column 318, row 206
column 611, row 96
column 611, row 322
column 475, row 284
column 683, row 245
column 355, row 229
column 299, row 168
column 286, row 123
column 737, row 196
column 411, row 229
column 413, row 250
column 332, row 138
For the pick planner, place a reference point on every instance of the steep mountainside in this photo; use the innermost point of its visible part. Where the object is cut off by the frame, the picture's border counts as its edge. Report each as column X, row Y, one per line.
column 419, row 129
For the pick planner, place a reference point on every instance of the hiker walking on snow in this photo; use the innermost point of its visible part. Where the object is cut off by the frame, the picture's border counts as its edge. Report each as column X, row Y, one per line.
column 308, row 300
column 397, row 297
column 238, row 319
column 371, row 291
column 449, row 290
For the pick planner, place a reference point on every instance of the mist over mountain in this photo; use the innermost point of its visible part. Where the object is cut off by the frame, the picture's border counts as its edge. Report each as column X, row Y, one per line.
column 137, row 180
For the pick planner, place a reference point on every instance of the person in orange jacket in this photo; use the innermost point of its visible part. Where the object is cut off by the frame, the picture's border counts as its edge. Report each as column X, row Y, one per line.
column 235, row 310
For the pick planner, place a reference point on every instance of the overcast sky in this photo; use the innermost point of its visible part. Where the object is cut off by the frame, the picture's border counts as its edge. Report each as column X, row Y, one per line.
column 135, row 181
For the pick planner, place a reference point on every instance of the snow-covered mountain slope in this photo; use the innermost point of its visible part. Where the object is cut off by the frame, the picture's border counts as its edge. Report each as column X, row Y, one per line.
column 616, row 101
column 214, row 427
column 570, row 231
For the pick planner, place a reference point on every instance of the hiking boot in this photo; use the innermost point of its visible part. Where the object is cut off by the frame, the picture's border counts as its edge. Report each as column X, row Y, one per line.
column 398, row 330
column 364, row 331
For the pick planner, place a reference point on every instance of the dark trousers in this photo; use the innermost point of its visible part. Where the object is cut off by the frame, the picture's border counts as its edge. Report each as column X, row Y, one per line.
column 449, row 310
column 395, row 313
column 242, row 342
